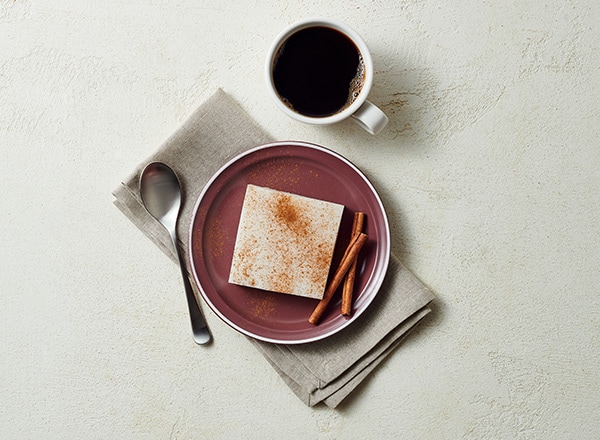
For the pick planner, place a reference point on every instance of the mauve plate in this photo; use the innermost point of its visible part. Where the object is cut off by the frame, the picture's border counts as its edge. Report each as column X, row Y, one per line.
column 300, row 168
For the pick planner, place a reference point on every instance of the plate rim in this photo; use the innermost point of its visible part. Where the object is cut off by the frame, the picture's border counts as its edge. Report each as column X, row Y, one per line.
column 386, row 251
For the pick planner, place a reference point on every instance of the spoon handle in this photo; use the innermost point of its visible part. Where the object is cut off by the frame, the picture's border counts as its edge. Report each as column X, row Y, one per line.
column 199, row 327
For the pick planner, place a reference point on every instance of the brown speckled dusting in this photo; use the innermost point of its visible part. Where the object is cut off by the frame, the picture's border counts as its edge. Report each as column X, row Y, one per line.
column 284, row 242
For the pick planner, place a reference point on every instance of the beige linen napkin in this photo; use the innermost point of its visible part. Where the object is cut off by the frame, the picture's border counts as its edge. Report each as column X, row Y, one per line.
column 323, row 371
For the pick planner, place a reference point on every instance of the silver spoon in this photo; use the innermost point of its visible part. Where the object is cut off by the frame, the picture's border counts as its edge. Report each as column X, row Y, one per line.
column 161, row 194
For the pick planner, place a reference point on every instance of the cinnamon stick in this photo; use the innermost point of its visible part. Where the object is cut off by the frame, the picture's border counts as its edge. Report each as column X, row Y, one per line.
column 347, row 292
column 351, row 252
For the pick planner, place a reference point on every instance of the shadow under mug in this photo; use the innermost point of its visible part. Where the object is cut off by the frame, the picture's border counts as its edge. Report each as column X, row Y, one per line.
column 367, row 115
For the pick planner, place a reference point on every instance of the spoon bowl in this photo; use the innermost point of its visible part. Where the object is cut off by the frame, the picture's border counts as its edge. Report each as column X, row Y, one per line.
column 161, row 194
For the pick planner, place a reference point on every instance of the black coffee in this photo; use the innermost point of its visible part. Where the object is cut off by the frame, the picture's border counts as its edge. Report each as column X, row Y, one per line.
column 318, row 71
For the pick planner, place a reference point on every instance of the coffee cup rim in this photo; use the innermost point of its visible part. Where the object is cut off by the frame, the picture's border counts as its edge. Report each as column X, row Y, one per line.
column 341, row 27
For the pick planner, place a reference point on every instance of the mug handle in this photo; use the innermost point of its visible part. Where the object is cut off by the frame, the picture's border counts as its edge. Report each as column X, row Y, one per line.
column 370, row 117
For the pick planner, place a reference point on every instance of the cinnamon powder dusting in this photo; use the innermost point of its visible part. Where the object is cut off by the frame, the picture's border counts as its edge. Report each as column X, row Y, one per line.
column 263, row 308
column 216, row 237
column 284, row 210
column 292, row 215
column 285, row 242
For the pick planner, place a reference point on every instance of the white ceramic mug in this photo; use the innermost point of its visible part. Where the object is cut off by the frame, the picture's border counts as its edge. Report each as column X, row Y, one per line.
column 367, row 115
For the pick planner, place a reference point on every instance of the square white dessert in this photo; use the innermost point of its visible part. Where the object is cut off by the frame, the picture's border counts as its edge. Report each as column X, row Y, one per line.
column 285, row 242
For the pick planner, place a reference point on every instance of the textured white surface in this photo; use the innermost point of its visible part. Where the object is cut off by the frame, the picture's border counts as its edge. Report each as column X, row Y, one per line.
column 489, row 169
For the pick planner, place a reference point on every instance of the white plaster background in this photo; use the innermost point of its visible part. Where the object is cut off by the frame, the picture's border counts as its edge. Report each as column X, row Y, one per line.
column 489, row 169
